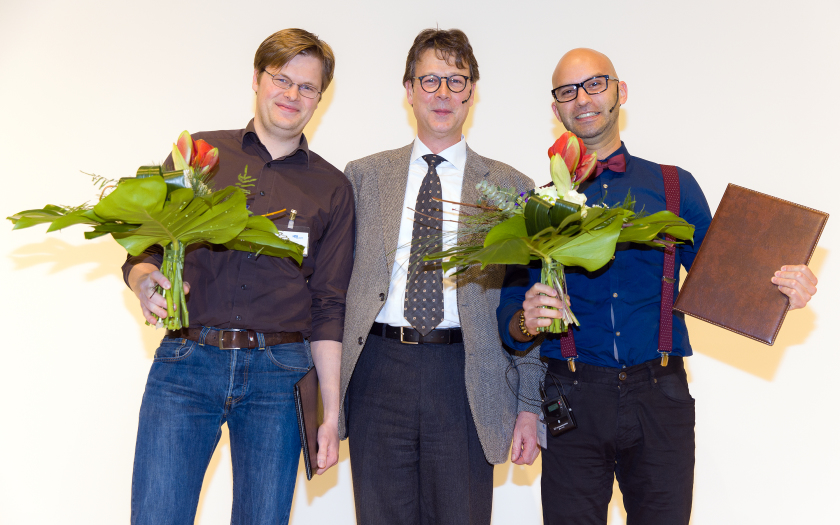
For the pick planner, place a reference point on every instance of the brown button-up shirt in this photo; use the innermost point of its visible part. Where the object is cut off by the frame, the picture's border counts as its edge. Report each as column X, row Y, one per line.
column 235, row 289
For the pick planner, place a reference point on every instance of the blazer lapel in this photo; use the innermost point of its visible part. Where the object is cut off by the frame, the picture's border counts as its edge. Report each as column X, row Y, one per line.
column 392, row 179
column 474, row 172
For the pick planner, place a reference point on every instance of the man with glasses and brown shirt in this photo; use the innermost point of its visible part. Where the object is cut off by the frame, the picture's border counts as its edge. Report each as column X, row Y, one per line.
column 257, row 323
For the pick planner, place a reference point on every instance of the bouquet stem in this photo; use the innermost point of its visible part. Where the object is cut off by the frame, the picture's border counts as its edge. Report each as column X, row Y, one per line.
column 553, row 275
column 177, row 315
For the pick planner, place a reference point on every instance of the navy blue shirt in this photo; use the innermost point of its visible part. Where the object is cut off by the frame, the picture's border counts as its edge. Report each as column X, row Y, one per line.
column 618, row 305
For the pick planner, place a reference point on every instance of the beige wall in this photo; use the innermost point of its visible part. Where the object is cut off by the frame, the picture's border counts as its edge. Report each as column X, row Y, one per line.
column 740, row 92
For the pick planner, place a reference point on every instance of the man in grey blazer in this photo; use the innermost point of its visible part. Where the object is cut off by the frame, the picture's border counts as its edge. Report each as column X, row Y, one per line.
column 427, row 404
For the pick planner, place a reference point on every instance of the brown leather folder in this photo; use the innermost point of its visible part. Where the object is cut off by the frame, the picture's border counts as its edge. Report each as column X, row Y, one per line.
column 306, row 403
column 751, row 236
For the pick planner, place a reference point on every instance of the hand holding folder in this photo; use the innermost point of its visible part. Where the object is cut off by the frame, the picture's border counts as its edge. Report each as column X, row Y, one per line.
column 751, row 237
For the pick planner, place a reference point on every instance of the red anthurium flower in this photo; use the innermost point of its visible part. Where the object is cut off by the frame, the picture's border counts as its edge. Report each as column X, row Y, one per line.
column 208, row 162
column 199, row 151
column 586, row 168
column 570, row 147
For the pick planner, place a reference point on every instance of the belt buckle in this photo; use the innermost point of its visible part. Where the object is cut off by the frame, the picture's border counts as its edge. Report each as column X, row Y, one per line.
column 222, row 340
column 402, row 338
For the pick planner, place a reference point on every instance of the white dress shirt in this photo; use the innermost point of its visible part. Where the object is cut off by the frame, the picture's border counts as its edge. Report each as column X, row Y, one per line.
column 451, row 175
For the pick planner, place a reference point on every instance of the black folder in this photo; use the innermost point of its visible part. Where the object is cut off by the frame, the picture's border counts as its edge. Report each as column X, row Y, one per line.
column 306, row 404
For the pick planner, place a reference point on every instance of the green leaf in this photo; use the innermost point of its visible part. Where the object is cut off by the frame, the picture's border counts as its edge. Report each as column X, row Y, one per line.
column 650, row 227
column 266, row 243
column 561, row 211
column 133, row 200
column 76, row 217
column 510, row 228
column 28, row 218
column 261, row 236
column 216, row 218
column 590, row 250
column 505, row 251
column 537, row 215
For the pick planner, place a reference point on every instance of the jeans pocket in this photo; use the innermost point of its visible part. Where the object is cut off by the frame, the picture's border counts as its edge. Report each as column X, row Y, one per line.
column 171, row 350
column 291, row 356
column 674, row 387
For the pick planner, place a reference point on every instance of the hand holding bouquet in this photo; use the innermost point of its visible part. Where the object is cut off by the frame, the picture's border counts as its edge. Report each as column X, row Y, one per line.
column 173, row 210
column 555, row 225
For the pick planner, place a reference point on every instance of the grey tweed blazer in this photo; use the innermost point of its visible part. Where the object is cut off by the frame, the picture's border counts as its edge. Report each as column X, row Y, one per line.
column 379, row 187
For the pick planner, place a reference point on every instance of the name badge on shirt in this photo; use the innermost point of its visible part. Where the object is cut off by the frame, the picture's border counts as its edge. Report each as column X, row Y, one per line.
column 295, row 233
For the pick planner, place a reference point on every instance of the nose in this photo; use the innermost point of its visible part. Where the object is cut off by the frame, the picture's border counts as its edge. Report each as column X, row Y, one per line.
column 293, row 93
column 583, row 97
column 443, row 91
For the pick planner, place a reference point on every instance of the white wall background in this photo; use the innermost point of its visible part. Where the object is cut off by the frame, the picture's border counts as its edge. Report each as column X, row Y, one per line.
column 734, row 91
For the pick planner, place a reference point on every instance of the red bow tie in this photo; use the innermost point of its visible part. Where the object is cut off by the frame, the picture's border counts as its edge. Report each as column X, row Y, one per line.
column 615, row 164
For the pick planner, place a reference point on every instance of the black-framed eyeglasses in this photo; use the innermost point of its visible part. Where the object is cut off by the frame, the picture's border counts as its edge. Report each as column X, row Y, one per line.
column 592, row 86
column 431, row 83
column 285, row 84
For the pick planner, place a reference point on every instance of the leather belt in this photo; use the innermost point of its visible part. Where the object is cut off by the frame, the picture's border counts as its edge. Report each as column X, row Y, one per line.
column 408, row 335
column 236, row 338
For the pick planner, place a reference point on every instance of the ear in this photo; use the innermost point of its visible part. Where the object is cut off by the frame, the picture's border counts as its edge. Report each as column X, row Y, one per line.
column 622, row 93
column 255, row 83
column 554, row 110
column 474, row 93
column 409, row 92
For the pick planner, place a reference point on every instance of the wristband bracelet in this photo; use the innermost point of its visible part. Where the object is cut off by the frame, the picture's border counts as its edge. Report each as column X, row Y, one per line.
column 522, row 328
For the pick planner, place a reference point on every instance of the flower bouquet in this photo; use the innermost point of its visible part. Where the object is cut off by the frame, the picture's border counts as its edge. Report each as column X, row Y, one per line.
column 173, row 210
column 555, row 225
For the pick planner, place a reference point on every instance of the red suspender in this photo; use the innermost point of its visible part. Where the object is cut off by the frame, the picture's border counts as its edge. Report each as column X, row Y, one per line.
column 666, row 342
column 666, row 318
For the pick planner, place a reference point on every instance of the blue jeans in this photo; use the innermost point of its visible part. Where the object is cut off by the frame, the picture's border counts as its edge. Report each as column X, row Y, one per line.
column 192, row 390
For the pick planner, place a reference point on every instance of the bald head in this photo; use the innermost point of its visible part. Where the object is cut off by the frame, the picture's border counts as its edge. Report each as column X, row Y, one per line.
column 591, row 116
column 584, row 63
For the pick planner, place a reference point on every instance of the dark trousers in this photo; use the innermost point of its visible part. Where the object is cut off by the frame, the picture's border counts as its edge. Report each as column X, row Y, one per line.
column 414, row 450
column 636, row 424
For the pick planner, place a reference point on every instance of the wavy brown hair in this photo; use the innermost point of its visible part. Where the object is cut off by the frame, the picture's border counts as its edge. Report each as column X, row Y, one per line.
column 284, row 45
column 449, row 45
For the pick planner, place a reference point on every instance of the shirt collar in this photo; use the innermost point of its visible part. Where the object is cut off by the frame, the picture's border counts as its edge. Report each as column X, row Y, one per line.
column 620, row 151
column 456, row 154
column 249, row 136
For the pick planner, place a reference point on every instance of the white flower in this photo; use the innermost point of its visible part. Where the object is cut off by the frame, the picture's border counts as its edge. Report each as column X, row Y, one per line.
column 575, row 197
column 549, row 194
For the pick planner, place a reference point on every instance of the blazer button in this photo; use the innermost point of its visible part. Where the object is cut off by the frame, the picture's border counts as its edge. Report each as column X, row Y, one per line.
column 361, row 340
column 382, row 297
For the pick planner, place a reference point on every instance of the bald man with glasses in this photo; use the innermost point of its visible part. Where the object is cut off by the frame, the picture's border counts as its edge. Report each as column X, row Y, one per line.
column 623, row 377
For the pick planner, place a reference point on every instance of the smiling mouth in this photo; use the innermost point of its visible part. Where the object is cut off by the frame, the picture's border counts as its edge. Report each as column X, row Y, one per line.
column 588, row 114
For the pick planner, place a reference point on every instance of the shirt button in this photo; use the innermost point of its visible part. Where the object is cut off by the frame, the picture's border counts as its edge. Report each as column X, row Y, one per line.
column 361, row 341
column 244, row 286
column 617, row 334
column 605, row 186
column 614, row 295
column 250, row 254
column 382, row 297
column 262, row 193
column 238, row 317
column 622, row 376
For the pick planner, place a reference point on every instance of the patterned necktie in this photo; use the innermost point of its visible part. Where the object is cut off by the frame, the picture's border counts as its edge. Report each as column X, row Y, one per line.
column 423, row 307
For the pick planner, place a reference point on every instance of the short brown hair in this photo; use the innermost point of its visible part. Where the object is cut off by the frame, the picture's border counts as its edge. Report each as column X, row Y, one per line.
column 448, row 44
column 284, row 45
